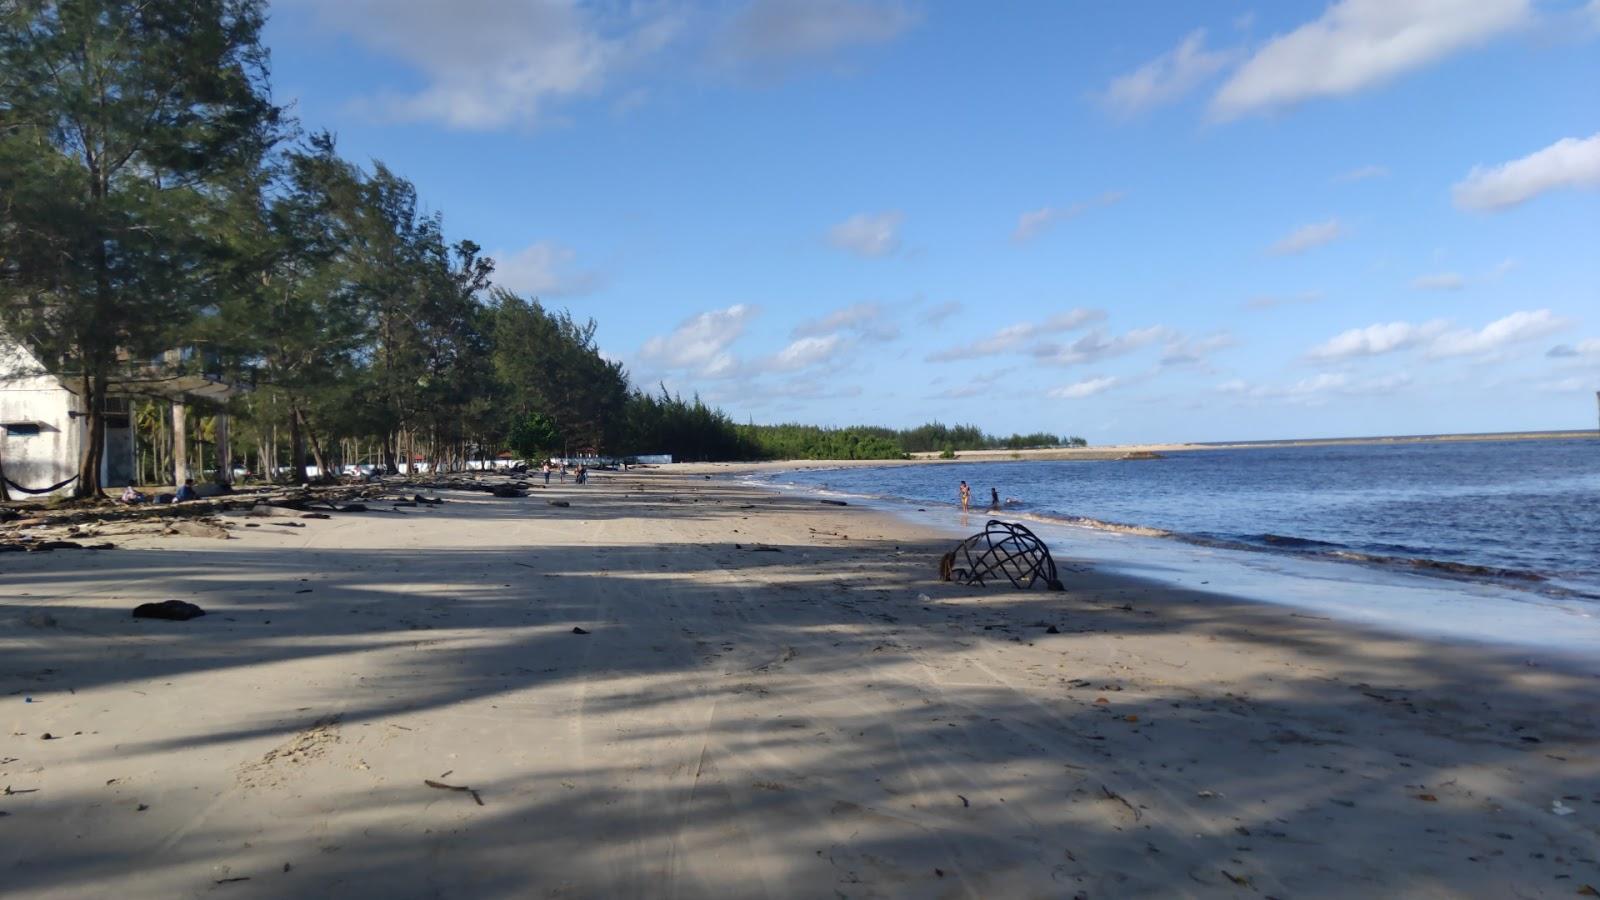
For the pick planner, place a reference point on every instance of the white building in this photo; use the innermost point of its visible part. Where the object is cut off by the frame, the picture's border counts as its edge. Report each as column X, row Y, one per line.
column 43, row 426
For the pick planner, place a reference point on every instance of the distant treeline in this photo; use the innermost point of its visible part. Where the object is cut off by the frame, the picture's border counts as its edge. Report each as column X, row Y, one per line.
column 797, row 441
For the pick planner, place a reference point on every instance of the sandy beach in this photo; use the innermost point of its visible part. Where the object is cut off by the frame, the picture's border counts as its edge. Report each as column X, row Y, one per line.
column 679, row 686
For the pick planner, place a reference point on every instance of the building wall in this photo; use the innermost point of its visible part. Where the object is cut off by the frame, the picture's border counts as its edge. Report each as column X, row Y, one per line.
column 31, row 396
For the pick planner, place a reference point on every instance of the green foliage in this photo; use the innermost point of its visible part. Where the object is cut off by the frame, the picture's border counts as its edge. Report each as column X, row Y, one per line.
column 794, row 441
column 534, row 436
column 689, row 430
column 124, row 128
column 949, row 452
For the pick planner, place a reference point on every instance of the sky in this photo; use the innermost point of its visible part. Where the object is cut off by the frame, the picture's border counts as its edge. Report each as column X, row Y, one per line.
column 1125, row 221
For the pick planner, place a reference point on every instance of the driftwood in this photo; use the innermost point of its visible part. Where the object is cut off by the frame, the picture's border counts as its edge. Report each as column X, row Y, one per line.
column 1001, row 549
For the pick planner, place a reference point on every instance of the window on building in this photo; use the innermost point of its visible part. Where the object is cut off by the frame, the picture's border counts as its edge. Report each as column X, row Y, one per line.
column 21, row 429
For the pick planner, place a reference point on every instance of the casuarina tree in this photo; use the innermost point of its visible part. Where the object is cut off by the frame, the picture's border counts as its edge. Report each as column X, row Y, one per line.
column 122, row 124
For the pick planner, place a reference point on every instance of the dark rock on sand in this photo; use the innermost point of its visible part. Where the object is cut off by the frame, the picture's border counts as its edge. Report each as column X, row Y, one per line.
column 172, row 610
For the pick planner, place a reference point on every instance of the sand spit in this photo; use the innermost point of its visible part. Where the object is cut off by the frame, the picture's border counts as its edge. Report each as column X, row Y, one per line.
column 683, row 687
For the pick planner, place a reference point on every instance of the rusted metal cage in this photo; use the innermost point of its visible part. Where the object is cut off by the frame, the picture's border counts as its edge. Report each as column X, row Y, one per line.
column 1002, row 549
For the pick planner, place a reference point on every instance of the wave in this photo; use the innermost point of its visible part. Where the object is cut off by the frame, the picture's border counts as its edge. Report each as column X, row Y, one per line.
column 1291, row 545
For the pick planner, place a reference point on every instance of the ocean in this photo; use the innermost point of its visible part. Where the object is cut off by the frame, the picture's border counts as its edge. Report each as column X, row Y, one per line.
column 1474, row 539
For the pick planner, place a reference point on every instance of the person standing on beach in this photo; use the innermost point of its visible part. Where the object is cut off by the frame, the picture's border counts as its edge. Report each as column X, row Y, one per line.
column 966, row 496
column 994, row 499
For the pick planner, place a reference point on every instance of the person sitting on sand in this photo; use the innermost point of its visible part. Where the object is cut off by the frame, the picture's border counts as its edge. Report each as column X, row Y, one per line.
column 966, row 496
column 131, row 496
column 187, row 492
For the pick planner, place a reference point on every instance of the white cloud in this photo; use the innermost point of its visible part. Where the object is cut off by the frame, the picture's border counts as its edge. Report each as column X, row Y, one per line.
column 1568, row 385
column 804, row 353
column 488, row 64
column 1568, row 163
column 1439, row 339
column 1375, row 340
column 1358, row 44
column 1306, row 237
column 1317, row 388
column 867, row 320
column 1166, row 78
column 768, row 33
column 1362, row 174
column 1030, row 223
column 1086, row 388
column 1520, row 326
column 1012, row 337
column 941, row 312
column 701, row 343
column 543, row 269
column 1441, row 281
column 1588, row 348
column 1181, row 351
column 868, row 235
column 1269, row 301
column 1096, row 345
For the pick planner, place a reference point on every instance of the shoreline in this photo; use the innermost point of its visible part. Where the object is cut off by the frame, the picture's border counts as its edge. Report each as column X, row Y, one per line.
column 772, row 696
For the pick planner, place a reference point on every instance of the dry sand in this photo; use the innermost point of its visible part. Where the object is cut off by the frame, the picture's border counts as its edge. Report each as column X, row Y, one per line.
column 819, row 719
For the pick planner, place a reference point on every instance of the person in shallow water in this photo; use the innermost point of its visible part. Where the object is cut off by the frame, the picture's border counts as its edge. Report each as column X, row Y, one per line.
column 966, row 496
column 994, row 499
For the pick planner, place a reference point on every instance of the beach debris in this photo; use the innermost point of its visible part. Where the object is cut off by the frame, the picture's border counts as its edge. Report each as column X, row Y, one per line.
column 198, row 529
column 1561, row 809
column 39, row 619
column 1113, row 795
column 172, row 610
column 834, row 502
column 561, row 503
column 1428, row 798
column 1052, row 630
column 1006, row 549
column 507, row 490
column 577, row 630
column 451, row 787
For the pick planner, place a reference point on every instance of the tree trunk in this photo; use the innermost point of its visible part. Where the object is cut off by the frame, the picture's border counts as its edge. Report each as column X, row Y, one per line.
column 224, row 449
column 180, row 444
column 316, row 445
column 297, row 448
column 94, row 441
column 389, row 463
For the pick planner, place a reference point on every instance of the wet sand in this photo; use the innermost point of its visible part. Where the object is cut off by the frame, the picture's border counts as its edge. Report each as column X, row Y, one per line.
column 774, row 697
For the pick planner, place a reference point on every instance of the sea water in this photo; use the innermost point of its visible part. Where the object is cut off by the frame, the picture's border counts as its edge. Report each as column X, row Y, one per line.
column 1483, row 540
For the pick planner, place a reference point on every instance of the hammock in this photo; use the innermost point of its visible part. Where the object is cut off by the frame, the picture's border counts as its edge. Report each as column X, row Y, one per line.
column 52, row 488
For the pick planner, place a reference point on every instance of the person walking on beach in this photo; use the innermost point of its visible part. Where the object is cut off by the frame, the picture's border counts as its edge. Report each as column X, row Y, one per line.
column 966, row 496
column 547, row 473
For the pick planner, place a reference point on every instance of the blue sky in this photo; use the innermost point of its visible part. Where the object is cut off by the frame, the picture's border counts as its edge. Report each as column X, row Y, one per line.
column 1130, row 222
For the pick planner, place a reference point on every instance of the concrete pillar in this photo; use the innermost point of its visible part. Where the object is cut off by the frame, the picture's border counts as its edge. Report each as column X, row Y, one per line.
column 224, row 450
column 180, row 444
